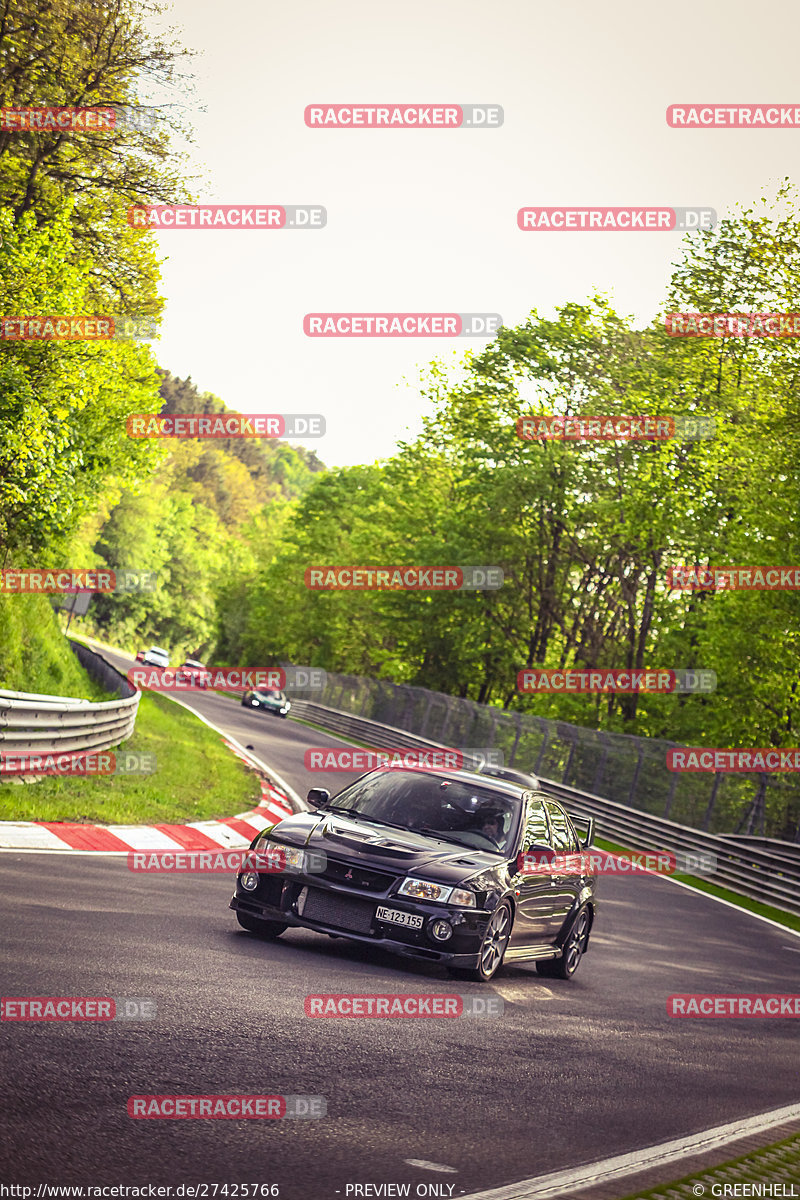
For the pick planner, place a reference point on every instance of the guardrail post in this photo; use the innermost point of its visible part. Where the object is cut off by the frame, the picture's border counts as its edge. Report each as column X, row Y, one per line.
column 518, row 722
column 568, row 765
column 673, row 787
column 426, row 717
column 448, row 712
column 635, row 778
column 601, row 766
column 545, row 742
column 711, row 800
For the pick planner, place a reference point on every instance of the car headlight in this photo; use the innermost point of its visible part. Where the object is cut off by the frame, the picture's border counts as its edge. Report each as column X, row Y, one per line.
column 424, row 889
column 294, row 859
column 249, row 881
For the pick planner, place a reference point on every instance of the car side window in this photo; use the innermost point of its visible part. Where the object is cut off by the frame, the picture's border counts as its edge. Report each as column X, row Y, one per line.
column 564, row 839
column 536, row 828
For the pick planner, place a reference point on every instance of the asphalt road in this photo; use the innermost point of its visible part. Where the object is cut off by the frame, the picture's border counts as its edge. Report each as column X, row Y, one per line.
column 571, row 1072
column 279, row 743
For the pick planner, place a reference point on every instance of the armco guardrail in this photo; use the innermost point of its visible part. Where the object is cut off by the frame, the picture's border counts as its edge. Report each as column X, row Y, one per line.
column 764, row 875
column 769, row 875
column 32, row 724
column 371, row 733
column 630, row 770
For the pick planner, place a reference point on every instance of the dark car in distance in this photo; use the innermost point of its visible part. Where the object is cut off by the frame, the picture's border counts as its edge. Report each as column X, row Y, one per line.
column 429, row 864
column 269, row 699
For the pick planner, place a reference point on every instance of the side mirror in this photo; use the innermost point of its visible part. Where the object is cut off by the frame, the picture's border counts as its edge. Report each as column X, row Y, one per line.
column 318, row 796
column 588, row 837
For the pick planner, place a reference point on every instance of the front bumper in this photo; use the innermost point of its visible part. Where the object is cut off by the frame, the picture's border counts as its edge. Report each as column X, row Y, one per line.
column 276, row 899
column 270, row 708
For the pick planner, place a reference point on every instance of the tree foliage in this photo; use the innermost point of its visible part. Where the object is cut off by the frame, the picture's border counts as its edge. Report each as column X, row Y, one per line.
column 584, row 532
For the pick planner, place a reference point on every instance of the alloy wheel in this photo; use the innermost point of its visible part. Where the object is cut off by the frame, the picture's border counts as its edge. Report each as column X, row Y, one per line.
column 495, row 940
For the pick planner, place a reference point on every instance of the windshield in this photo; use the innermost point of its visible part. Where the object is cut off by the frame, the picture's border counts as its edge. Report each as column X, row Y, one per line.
column 462, row 812
column 268, row 695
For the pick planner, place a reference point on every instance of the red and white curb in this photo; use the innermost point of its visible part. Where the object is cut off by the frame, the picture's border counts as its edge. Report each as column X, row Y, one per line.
column 228, row 833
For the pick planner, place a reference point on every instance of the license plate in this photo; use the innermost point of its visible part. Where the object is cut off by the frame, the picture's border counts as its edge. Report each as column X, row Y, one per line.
column 397, row 917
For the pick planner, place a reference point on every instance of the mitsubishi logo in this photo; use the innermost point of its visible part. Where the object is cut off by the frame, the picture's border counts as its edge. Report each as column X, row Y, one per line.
column 348, row 875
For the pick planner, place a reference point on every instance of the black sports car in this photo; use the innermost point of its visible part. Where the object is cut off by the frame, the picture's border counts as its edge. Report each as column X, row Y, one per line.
column 429, row 864
column 270, row 699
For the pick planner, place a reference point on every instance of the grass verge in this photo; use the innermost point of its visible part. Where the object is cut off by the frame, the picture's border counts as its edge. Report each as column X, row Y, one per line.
column 34, row 654
column 775, row 1164
column 196, row 778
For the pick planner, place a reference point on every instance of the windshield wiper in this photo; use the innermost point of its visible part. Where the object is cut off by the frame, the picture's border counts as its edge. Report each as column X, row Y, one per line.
column 354, row 812
column 445, row 838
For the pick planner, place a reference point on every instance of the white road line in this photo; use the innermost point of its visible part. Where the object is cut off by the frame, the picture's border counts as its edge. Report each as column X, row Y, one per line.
column 609, row 1170
column 430, row 1166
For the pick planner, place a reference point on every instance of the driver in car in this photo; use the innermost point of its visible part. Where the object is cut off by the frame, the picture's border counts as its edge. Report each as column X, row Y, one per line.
column 490, row 824
column 491, row 827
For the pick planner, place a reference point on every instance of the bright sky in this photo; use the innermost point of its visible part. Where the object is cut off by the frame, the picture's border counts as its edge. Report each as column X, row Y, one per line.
column 425, row 220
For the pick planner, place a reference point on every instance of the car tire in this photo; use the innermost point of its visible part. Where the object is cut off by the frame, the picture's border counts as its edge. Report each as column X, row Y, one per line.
column 493, row 946
column 574, row 948
column 263, row 929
